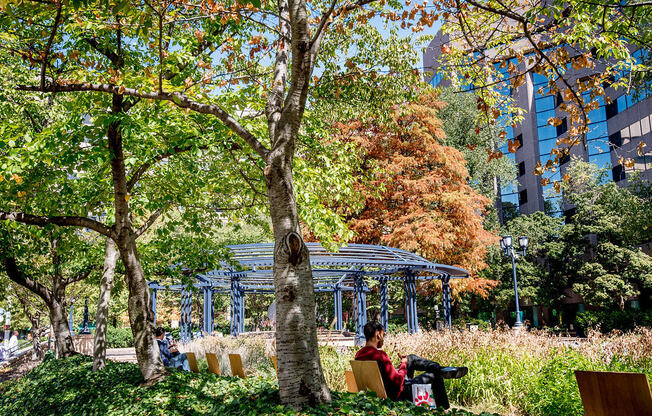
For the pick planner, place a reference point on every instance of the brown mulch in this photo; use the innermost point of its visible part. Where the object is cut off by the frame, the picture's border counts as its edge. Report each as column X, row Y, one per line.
column 18, row 367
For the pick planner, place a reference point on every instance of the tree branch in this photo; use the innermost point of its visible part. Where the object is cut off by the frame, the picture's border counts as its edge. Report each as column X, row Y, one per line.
column 46, row 52
column 138, row 173
column 17, row 276
column 150, row 221
column 63, row 221
column 115, row 59
column 81, row 276
column 179, row 99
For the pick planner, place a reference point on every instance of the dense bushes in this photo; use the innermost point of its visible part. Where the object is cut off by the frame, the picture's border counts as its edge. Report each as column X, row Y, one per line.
column 70, row 387
column 119, row 337
column 609, row 320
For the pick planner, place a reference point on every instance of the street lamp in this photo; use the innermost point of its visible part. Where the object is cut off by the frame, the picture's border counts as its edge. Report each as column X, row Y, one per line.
column 508, row 251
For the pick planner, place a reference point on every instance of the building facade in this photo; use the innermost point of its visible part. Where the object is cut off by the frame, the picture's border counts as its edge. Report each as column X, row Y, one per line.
column 615, row 131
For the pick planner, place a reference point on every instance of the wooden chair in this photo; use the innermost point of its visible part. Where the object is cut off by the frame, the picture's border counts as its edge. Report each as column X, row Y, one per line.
column 614, row 394
column 192, row 360
column 367, row 377
column 213, row 364
column 351, row 386
column 236, row 365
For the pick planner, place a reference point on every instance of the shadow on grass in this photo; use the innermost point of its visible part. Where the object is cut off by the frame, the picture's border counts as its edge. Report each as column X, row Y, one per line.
column 70, row 387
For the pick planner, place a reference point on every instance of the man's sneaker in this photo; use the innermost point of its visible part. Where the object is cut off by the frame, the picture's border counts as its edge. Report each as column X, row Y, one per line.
column 453, row 372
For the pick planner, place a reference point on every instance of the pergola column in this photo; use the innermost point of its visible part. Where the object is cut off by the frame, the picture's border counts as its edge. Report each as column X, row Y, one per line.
column 208, row 310
column 384, row 313
column 154, row 293
column 237, row 308
column 359, row 288
column 411, row 302
column 337, row 293
column 186, row 315
column 70, row 319
column 446, row 292
column 242, row 310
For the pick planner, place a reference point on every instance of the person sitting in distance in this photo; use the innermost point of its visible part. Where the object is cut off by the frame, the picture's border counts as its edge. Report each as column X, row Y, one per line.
column 170, row 355
column 398, row 383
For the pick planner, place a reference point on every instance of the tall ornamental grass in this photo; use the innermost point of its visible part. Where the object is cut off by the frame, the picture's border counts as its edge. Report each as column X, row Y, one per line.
column 526, row 373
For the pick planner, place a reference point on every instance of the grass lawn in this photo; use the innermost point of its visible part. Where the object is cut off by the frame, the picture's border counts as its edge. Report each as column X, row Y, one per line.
column 70, row 387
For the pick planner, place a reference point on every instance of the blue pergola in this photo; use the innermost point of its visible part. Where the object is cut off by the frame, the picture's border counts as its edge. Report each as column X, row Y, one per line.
column 347, row 270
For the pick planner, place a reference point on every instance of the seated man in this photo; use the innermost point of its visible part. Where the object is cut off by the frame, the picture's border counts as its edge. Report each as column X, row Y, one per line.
column 171, row 356
column 398, row 384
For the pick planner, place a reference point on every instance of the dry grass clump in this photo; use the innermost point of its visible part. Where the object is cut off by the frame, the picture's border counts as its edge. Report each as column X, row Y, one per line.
column 255, row 353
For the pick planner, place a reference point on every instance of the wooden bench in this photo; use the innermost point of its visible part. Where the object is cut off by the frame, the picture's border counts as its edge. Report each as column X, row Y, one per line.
column 213, row 364
column 367, row 377
column 614, row 394
column 192, row 361
column 351, row 385
column 236, row 365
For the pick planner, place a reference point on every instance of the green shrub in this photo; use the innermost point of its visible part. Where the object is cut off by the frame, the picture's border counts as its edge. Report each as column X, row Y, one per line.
column 70, row 387
column 606, row 321
column 119, row 337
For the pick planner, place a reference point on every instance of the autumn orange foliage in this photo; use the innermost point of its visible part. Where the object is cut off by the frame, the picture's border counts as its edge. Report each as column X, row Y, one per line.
column 417, row 197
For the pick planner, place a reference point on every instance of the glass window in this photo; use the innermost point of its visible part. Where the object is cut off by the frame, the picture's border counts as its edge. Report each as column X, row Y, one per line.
column 598, row 146
column 597, row 130
column 597, row 115
column 545, row 103
column 543, row 116
column 545, row 147
column 645, row 126
column 538, row 79
column 513, row 198
column 622, row 103
column 547, row 132
column 635, row 130
column 639, row 163
column 603, row 160
column 508, row 188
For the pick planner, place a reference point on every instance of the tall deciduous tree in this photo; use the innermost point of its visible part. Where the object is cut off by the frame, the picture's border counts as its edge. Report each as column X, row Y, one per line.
column 418, row 197
column 46, row 263
column 584, row 49
column 179, row 53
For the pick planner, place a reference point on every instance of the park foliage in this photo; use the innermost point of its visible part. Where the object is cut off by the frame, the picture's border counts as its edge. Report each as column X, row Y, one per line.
column 70, row 387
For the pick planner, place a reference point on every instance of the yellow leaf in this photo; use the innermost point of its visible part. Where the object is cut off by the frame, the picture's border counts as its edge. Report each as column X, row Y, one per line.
column 121, row 89
column 629, row 162
column 127, row 197
column 639, row 148
column 545, row 181
column 538, row 170
column 554, row 121
column 21, row 194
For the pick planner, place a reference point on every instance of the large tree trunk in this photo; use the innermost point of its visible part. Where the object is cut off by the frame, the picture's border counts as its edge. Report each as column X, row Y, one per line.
column 37, row 331
column 141, row 316
column 63, row 346
column 300, row 377
column 111, row 255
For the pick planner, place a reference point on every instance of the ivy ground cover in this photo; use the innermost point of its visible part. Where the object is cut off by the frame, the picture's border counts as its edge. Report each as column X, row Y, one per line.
column 70, row 387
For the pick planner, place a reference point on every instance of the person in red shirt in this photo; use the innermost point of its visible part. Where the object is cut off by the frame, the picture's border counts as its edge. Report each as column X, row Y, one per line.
column 398, row 383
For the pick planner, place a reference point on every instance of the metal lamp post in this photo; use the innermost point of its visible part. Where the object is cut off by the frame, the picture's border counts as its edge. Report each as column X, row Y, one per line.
column 508, row 251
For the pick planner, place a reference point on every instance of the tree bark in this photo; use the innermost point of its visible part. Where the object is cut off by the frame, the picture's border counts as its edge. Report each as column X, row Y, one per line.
column 300, row 377
column 141, row 316
column 63, row 345
column 111, row 255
